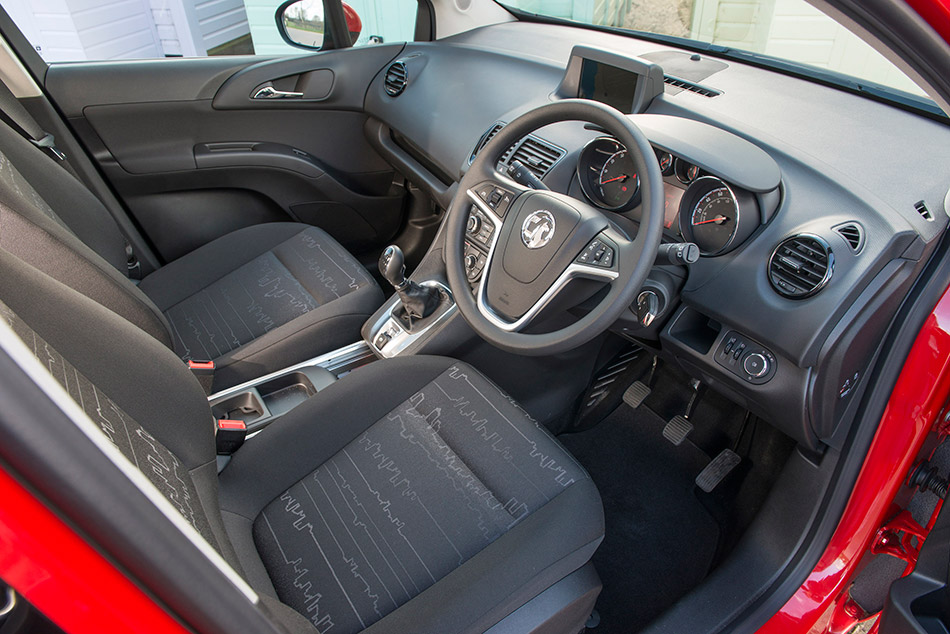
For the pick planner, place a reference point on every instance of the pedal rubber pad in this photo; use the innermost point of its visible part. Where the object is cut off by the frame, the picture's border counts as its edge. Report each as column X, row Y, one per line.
column 677, row 430
column 714, row 473
column 636, row 394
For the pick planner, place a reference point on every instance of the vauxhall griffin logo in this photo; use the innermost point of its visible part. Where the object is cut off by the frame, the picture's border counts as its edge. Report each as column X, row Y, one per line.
column 538, row 229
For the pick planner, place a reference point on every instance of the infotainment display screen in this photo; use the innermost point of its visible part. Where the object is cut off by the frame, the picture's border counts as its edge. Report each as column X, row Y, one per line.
column 608, row 84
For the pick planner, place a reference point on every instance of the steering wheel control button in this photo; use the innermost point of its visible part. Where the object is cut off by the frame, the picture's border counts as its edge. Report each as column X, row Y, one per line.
column 598, row 253
column 474, row 261
column 479, row 227
column 746, row 359
column 756, row 365
column 497, row 198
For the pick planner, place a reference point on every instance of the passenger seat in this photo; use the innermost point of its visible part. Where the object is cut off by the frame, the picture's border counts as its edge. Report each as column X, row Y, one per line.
column 253, row 301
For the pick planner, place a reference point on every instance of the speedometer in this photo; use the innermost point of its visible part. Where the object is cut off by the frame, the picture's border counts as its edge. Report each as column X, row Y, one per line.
column 713, row 220
column 712, row 215
column 607, row 175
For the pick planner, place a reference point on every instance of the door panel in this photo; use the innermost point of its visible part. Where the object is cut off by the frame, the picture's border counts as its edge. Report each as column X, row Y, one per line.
column 193, row 156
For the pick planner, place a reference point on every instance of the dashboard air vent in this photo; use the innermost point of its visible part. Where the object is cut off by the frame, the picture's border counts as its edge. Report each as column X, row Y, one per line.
column 483, row 141
column 397, row 77
column 800, row 266
column 853, row 234
column 537, row 155
column 921, row 208
column 684, row 84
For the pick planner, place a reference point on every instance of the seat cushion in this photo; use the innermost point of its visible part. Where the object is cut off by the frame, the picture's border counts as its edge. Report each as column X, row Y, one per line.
column 263, row 298
column 432, row 487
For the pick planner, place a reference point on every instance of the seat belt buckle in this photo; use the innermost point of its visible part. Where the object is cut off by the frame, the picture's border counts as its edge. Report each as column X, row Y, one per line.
column 229, row 435
column 48, row 142
column 204, row 372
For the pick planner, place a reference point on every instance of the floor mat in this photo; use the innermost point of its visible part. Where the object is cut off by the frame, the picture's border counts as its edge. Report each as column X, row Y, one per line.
column 660, row 540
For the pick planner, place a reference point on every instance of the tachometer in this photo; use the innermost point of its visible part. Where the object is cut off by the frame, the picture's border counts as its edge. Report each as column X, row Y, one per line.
column 711, row 216
column 608, row 175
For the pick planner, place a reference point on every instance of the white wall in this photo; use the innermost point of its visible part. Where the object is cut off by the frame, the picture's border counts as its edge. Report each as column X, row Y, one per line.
column 66, row 30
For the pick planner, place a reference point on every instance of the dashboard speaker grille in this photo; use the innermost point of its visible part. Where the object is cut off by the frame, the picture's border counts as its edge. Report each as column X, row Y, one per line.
column 801, row 266
column 537, row 155
column 397, row 78
column 853, row 234
column 691, row 86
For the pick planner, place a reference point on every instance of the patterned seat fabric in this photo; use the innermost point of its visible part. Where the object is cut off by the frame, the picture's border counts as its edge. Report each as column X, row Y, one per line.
column 307, row 271
column 434, row 482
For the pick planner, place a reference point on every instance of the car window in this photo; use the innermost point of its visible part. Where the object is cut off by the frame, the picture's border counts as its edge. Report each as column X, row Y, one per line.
column 790, row 30
column 142, row 29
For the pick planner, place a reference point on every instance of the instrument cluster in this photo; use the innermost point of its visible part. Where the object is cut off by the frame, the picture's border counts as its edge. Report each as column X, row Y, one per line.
column 699, row 207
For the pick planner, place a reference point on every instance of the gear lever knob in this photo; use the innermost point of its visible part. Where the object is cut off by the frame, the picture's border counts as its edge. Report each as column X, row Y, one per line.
column 392, row 266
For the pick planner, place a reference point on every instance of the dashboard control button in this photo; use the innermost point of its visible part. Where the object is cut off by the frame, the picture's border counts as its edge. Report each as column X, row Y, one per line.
column 756, row 365
column 745, row 358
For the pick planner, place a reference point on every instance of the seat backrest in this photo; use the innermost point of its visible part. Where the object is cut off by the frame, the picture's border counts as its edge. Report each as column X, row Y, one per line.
column 145, row 401
column 53, row 222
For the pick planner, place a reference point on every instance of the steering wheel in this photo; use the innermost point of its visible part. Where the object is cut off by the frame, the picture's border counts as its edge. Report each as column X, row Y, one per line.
column 540, row 241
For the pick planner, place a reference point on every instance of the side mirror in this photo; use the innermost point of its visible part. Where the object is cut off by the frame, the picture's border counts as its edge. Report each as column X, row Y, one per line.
column 301, row 23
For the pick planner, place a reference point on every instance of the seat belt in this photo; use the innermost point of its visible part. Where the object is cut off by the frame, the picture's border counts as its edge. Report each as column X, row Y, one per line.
column 26, row 125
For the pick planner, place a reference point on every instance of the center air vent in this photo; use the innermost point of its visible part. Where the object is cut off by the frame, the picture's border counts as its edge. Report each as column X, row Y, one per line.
column 397, row 77
column 801, row 266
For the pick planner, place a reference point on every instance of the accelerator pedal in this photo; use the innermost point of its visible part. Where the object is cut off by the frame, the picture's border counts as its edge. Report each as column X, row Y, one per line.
column 677, row 430
column 636, row 394
column 716, row 471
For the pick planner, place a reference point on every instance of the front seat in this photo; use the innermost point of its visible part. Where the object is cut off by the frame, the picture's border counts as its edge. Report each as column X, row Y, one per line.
column 410, row 496
column 254, row 301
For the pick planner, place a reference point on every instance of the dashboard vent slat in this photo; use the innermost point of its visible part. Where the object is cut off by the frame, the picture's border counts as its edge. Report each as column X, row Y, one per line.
column 921, row 208
column 801, row 266
column 485, row 138
column 853, row 234
column 684, row 84
column 396, row 80
column 537, row 155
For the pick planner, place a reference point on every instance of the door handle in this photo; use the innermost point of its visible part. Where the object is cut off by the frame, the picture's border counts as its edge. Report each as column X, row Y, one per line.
column 269, row 92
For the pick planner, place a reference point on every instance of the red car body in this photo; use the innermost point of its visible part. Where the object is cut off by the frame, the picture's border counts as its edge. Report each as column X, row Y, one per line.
column 80, row 590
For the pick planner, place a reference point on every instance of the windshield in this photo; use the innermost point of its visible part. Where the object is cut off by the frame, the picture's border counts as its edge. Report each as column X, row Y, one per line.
column 790, row 30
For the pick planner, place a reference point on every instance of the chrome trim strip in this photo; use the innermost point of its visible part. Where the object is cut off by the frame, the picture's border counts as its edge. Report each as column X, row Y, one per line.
column 11, row 603
column 573, row 271
column 27, row 361
column 404, row 339
column 331, row 360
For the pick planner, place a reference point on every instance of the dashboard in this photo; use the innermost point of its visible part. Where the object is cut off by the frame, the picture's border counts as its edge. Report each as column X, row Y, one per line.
column 810, row 207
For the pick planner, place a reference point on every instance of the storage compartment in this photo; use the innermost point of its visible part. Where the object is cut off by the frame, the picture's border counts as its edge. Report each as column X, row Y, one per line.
column 260, row 404
column 696, row 330
column 247, row 406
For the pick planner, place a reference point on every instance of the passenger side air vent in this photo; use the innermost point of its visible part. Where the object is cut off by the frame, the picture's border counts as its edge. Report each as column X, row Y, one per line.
column 801, row 266
column 482, row 142
column 921, row 208
column 537, row 155
column 853, row 234
column 684, row 84
column 397, row 78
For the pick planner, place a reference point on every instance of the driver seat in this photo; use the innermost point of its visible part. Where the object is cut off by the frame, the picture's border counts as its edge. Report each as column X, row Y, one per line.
column 410, row 496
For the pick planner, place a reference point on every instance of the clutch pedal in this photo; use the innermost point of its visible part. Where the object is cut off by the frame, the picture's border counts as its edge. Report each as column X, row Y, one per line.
column 636, row 394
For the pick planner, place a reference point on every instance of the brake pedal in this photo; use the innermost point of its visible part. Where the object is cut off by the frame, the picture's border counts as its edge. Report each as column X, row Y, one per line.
column 677, row 429
column 716, row 471
column 636, row 394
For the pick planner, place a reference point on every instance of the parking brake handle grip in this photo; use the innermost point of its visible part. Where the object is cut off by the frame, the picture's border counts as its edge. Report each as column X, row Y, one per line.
column 681, row 253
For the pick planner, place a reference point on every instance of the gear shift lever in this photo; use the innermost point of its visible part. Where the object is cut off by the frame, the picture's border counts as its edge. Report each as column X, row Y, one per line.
column 418, row 301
